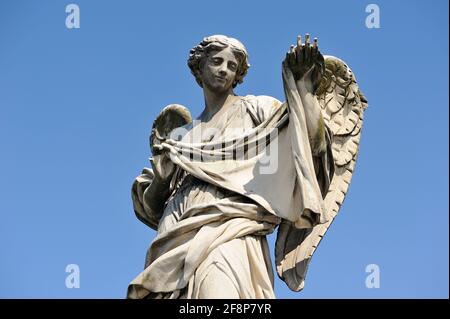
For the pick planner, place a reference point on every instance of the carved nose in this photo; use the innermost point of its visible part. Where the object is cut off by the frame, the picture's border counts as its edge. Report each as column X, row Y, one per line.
column 223, row 69
column 222, row 72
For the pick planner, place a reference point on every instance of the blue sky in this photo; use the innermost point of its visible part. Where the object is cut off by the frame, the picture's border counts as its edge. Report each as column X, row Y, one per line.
column 76, row 107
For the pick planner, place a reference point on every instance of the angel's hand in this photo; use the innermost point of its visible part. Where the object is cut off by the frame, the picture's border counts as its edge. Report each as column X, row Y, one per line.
column 306, row 62
column 163, row 167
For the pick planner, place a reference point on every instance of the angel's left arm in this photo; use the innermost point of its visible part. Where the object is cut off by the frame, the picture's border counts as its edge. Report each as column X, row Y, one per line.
column 313, row 116
column 307, row 65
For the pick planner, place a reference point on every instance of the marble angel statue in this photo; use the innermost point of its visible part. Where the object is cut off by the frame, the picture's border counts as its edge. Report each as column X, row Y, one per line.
column 245, row 167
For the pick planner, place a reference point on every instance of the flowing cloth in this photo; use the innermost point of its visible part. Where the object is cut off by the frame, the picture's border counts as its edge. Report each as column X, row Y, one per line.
column 233, row 188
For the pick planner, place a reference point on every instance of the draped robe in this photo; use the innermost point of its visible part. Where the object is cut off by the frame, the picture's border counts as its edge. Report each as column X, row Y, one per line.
column 232, row 187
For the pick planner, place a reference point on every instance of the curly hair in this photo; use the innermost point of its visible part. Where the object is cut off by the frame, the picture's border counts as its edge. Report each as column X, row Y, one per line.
column 199, row 53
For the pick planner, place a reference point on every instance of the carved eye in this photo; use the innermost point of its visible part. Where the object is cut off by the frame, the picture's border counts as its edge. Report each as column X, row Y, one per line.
column 232, row 66
column 216, row 61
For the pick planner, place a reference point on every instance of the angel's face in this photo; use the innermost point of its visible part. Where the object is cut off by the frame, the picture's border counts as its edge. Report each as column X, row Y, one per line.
column 219, row 70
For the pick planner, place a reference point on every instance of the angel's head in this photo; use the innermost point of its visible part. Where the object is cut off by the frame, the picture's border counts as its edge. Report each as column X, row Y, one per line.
column 219, row 61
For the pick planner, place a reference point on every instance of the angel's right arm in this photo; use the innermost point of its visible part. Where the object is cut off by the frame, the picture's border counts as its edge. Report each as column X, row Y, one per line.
column 152, row 188
column 149, row 194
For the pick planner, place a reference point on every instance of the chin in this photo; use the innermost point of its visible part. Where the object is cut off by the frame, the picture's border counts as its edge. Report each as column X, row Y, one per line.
column 219, row 87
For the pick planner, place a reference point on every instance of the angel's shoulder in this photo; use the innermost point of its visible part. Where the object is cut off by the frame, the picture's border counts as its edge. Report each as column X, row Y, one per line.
column 261, row 106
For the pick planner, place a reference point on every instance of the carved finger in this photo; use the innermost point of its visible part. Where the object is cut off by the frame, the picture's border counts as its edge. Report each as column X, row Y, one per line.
column 307, row 49
column 299, row 49
column 307, row 39
column 300, row 53
column 314, row 51
column 291, row 55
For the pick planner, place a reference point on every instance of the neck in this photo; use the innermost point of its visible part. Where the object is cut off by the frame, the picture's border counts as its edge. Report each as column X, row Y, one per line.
column 215, row 101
